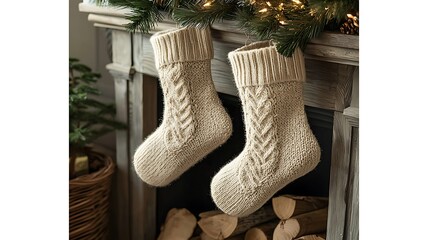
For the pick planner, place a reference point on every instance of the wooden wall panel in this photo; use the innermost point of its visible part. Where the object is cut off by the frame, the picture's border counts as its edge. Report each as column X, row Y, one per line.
column 340, row 184
column 352, row 213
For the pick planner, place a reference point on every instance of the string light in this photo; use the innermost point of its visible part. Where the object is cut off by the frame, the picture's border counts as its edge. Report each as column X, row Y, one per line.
column 208, row 4
column 281, row 8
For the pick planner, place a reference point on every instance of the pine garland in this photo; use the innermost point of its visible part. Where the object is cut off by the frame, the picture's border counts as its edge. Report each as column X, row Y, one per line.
column 289, row 23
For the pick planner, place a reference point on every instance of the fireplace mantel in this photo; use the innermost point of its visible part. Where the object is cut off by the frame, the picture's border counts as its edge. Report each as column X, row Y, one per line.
column 332, row 62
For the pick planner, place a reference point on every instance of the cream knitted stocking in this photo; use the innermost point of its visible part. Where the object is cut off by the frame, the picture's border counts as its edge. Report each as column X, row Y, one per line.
column 195, row 122
column 280, row 146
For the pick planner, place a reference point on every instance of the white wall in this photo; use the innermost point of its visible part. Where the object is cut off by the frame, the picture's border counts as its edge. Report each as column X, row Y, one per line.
column 89, row 44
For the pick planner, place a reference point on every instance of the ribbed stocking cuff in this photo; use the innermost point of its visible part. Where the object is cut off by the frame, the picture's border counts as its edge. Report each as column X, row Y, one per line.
column 182, row 45
column 259, row 63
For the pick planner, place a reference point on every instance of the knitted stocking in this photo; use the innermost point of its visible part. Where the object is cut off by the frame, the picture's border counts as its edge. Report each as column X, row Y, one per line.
column 280, row 146
column 195, row 122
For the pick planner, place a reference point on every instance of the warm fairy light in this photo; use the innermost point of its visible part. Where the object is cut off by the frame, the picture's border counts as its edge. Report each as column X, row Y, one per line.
column 326, row 8
column 263, row 10
column 297, row 1
column 269, row 4
column 207, row 4
column 281, row 18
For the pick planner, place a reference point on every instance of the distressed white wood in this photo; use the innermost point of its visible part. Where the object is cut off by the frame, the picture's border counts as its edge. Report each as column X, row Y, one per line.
column 103, row 10
column 121, row 48
column 149, row 123
column 121, row 186
column 340, row 184
column 136, row 135
column 118, row 69
column 118, row 21
column 352, row 213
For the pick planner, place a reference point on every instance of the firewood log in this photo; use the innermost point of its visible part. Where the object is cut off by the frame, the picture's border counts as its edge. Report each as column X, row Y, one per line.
column 287, row 206
column 236, row 237
column 221, row 224
column 261, row 232
column 209, row 213
column 204, row 236
column 304, row 224
column 320, row 236
column 218, row 225
column 179, row 225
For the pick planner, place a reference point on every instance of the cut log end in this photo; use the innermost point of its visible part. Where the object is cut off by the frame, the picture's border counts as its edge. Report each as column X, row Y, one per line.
column 287, row 206
column 283, row 206
column 209, row 213
column 286, row 230
column 179, row 225
column 255, row 234
column 204, row 236
column 261, row 232
column 218, row 225
column 320, row 236
column 228, row 226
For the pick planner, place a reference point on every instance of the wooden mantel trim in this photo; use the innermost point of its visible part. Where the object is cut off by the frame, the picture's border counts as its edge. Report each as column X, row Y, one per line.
column 328, row 47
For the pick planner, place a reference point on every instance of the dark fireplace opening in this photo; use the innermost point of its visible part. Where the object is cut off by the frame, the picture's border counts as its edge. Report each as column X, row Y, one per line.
column 192, row 189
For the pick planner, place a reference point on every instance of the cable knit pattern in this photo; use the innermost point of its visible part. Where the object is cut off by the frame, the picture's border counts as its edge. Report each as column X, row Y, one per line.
column 195, row 122
column 280, row 146
column 261, row 136
column 180, row 123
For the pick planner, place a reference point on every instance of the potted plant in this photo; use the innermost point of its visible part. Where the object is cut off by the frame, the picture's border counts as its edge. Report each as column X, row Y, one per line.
column 90, row 171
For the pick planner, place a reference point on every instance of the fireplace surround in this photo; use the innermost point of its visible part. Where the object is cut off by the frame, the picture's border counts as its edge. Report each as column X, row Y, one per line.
column 332, row 104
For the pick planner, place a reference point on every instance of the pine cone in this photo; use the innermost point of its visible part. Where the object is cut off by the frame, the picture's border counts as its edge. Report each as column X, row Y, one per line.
column 351, row 26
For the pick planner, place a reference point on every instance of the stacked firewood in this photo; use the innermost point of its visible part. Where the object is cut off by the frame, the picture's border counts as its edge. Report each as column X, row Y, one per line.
column 286, row 218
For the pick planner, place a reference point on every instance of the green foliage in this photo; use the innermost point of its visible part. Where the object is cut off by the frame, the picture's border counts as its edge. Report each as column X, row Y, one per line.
column 88, row 118
column 300, row 23
column 263, row 28
column 144, row 14
column 194, row 14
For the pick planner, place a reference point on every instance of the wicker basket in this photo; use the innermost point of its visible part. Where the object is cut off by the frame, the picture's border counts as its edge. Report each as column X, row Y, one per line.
column 89, row 202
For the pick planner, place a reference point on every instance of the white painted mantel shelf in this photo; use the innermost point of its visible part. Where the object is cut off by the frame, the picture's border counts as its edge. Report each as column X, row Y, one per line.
column 332, row 62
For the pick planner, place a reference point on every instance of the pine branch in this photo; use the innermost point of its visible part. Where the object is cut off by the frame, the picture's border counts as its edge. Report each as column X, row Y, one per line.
column 297, row 34
column 300, row 21
column 262, row 28
column 144, row 14
column 197, row 15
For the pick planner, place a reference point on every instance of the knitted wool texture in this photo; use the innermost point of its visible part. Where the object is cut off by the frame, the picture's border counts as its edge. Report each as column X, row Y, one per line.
column 280, row 146
column 195, row 122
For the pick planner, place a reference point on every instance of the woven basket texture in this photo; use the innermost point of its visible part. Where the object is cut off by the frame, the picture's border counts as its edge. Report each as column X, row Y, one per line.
column 89, row 202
